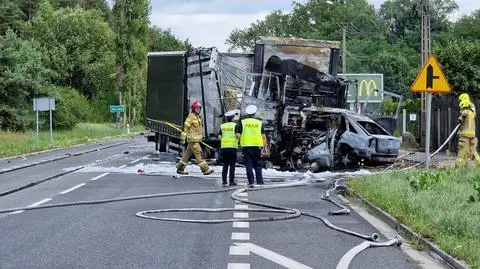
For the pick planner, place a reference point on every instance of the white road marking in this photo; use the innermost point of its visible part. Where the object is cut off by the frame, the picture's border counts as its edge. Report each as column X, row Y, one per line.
column 241, row 206
column 238, row 266
column 242, row 194
column 240, row 236
column 123, row 166
column 73, row 188
column 6, row 169
column 139, row 159
column 240, row 215
column 241, row 224
column 32, row 205
column 274, row 257
column 239, row 250
column 40, row 202
column 100, row 176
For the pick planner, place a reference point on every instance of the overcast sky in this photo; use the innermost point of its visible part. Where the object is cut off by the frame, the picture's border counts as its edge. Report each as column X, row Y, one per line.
column 209, row 22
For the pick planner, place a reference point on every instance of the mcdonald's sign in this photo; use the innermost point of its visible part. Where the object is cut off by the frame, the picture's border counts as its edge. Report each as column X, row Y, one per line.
column 367, row 84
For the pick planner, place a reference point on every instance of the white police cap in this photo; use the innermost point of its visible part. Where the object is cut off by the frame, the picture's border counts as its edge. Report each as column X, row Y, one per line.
column 251, row 109
column 230, row 113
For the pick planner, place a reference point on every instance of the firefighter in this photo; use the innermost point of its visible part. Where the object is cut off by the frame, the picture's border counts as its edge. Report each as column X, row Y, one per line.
column 193, row 134
column 467, row 141
column 465, row 96
column 228, row 148
column 253, row 140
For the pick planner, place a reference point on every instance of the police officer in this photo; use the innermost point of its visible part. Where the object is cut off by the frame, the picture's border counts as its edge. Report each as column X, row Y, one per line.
column 253, row 140
column 467, row 141
column 193, row 134
column 228, row 148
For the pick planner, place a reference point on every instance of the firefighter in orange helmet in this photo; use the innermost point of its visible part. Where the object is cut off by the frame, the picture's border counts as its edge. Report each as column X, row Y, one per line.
column 193, row 135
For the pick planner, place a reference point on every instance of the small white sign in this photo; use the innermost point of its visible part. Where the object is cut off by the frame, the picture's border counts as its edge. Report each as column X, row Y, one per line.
column 413, row 117
column 43, row 104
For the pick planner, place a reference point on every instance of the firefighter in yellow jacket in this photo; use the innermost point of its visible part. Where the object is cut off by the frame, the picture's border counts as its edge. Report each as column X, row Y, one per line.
column 193, row 134
column 467, row 141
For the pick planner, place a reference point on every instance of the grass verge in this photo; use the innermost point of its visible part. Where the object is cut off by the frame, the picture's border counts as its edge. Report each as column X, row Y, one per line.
column 16, row 143
column 437, row 205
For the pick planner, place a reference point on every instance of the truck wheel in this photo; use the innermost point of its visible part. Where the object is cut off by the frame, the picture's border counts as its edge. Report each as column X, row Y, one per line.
column 163, row 143
column 157, row 138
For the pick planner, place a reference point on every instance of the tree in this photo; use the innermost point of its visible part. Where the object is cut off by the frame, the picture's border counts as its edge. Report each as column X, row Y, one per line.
column 130, row 22
column 22, row 73
column 80, row 47
column 11, row 16
column 460, row 60
column 316, row 19
column 467, row 27
column 164, row 40
column 404, row 19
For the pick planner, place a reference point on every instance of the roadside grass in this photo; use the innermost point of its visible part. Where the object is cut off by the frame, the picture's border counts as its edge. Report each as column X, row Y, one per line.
column 17, row 143
column 442, row 212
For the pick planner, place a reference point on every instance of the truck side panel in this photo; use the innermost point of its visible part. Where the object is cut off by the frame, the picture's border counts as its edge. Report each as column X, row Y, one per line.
column 165, row 88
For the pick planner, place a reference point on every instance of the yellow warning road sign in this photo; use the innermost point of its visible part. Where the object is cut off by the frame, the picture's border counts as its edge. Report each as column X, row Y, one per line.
column 431, row 78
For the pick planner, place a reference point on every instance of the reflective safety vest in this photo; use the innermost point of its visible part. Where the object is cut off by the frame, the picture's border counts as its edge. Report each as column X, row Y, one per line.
column 193, row 128
column 251, row 133
column 467, row 127
column 229, row 139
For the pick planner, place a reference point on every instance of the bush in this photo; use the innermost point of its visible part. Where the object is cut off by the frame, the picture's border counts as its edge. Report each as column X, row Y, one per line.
column 13, row 119
column 70, row 106
column 100, row 107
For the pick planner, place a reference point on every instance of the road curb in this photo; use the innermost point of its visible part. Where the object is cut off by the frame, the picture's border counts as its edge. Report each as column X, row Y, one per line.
column 67, row 147
column 410, row 234
column 64, row 157
column 40, row 181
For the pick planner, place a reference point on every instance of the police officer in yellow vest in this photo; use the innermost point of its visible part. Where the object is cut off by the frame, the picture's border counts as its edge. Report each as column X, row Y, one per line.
column 467, row 141
column 229, row 146
column 253, row 140
column 193, row 134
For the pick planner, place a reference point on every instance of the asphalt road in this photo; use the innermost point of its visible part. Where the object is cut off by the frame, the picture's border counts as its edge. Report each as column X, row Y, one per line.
column 110, row 235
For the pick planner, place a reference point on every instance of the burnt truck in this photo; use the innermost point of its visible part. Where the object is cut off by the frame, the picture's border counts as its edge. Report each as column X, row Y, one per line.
column 293, row 82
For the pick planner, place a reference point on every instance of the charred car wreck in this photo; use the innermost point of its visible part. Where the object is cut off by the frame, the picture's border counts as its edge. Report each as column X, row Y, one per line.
column 294, row 84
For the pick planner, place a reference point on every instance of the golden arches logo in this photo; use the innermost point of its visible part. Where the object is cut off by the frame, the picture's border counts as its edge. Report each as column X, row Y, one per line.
column 367, row 89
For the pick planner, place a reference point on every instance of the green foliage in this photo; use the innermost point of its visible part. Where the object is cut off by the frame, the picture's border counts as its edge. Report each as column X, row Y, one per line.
column 164, row 40
column 460, row 60
column 22, row 73
column 425, row 180
column 11, row 16
column 131, row 46
column 70, row 106
column 441, row 214
column 476, row 186
column 388, row 107
column 412, row 105
column 79, row 46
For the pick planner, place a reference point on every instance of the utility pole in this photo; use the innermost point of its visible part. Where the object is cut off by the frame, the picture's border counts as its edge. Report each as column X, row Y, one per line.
column 426, row 97
column 344, row 50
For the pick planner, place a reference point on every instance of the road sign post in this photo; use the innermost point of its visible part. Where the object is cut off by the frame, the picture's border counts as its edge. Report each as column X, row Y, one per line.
column 44, row 104
column 430, row 80
column 117, row 109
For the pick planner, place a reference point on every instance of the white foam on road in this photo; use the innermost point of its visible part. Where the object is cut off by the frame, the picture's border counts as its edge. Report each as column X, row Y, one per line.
column 169, row 168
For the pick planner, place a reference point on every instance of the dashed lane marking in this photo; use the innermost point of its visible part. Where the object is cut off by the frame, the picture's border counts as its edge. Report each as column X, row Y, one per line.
column 73, row 188
column 240, row 236
column 100, row 176
column 32, row 205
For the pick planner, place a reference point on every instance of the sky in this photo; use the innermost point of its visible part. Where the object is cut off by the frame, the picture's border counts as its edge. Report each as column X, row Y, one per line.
column 208, row 23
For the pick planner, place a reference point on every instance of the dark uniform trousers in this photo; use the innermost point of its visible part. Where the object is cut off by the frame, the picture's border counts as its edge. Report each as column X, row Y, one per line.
column 253, row 161
column 229, row 156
